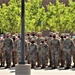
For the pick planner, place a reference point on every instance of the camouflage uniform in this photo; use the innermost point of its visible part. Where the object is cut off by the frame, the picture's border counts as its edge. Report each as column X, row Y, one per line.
column 28, row 36
column 43, row 52
column 14, row 52
column 46, row 39
column 1, row 53
column 61, row 52
column 54, row 47
column 49, row 39
column 39, row 34
column 34, row 36
column 73, row 53
column 18, row 49
column 27, row 43
column 8, row 45
column 68, row 48
column 26, row 50
column 33, row 52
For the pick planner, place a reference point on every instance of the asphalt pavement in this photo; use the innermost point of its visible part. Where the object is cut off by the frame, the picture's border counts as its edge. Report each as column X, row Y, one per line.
column 38, row 71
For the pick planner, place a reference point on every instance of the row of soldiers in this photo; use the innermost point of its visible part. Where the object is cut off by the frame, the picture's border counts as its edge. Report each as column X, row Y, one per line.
column 58, row 50
column 39, row 50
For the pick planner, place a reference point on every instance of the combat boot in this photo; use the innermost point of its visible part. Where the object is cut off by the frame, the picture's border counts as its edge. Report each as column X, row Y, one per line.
column 32, row 66
column 1, row 65
column 7, row 67
column 13, row 65
column 73, row 66
column 67, row 67
column 42, row 67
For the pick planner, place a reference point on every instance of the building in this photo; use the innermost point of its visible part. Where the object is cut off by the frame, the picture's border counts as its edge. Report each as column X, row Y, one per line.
column 45, row 2
column 4, row 1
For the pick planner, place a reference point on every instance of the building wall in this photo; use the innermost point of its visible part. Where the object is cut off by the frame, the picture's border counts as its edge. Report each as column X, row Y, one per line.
column 4, row 1
column 45, row 2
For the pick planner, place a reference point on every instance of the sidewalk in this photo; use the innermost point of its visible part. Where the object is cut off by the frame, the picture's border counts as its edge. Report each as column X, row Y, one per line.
column 38, row 71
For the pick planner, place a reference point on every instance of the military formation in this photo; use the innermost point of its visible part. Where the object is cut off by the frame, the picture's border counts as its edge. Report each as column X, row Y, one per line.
column 55, row 50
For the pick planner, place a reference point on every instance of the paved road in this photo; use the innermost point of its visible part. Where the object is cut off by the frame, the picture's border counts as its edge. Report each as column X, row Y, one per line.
column 39, row 71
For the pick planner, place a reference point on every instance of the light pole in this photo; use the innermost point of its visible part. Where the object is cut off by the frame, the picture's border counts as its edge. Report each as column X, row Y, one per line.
column 22, row 34
column 22, row 68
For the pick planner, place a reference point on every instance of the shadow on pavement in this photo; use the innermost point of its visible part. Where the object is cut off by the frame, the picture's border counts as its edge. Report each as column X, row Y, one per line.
column 12, row 71
column 37, row 68
column 73, row 69
column 2, row 68
column 48, row 68
column 12, row 68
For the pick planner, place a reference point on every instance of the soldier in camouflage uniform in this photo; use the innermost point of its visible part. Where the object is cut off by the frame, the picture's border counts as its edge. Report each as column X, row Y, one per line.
column 14, row 52
column 39, row 35
column 26, row 50
column 18, row 48
column 1, row 52
column 61, row 52
column 28, row 36
column 33, row 52
column 27, row 43
column 73, row 53
column 33, row 35
column 8, row 45
column 46, row 41
column 68, row 48
column 43, row 52
column 54, row 47
column 49, row 39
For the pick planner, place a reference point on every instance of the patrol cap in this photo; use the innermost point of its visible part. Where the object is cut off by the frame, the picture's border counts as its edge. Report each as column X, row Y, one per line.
column 67, row 34
column 8, row 34
column 50, row 33
column 29, row 32
column 46, row 37
column 62, row 34
column 14, row 35
column 54, row 34
column 42, row 39
column 39, row 33
column 33, row 33
column 32, row 39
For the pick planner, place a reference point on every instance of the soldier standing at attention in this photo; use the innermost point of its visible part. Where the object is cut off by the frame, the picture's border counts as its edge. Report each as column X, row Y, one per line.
column 39, row 35
column 43, row 52
column 49, row 39
column 26, row 50
column 8, row 45
column 28, row 35
column 14, row 52
column 61, row 52
column 73, row 53
column 68, row 48
column 54, row 47
column 18, row 48
column 1, row 52
column 33, row 35
column 33, row 53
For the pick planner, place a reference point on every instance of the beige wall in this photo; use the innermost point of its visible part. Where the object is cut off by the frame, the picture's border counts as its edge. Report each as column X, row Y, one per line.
column 45, row 2
column 4, row 1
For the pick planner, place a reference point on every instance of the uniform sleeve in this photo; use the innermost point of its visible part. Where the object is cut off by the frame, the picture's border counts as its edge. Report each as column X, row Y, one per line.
column 72, row 46
column 58, row 44
column 49, row 50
